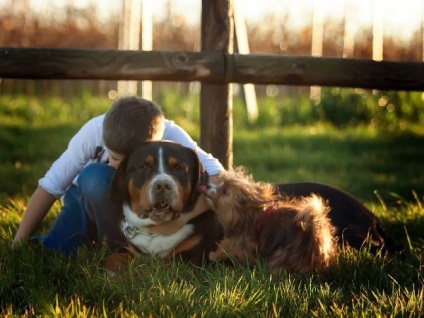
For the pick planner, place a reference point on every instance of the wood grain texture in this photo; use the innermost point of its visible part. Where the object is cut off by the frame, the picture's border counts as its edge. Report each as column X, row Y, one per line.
column 216, row 67
column 110, row 65
column 215, row 98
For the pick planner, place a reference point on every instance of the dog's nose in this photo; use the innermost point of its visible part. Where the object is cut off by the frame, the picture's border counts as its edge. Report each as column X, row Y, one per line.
column 162, row 186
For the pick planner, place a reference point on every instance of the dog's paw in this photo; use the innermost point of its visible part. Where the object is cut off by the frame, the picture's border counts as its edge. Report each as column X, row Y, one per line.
column 113, row 275
column 115, row 262
column 213, row 256
column 217, row 255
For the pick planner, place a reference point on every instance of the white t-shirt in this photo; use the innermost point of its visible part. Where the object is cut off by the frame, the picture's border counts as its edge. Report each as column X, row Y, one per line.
column 85, row 145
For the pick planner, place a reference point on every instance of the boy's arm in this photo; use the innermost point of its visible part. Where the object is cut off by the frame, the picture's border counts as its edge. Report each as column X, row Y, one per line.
column 57, row 179
column 214, row 179
column 170, row 227
column 38, row 206
column 81, row 149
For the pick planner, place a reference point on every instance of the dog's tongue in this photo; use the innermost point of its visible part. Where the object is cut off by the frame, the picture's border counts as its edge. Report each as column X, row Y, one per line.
column 203, row 189
column 161, row 207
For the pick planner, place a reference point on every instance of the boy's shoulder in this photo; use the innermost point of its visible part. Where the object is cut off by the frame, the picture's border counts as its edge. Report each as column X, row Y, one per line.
column 93, row 128
column 96, row 121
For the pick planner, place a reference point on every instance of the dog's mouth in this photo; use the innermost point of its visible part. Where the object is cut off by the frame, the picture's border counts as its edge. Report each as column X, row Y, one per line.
column 159, row 210
column 161, row 207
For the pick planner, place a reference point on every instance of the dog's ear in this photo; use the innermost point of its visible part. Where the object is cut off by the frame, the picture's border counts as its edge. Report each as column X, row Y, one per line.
column 256, row 196
column 118, row 188
column 203, row 176
column 200, row 177
column 244, row 201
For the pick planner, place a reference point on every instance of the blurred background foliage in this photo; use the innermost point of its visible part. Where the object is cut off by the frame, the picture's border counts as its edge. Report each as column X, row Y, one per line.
column 75, row 27
column 379, row 133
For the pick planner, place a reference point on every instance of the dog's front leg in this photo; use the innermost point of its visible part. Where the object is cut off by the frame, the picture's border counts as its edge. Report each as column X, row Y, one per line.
column 115, row 262
column 225, row 248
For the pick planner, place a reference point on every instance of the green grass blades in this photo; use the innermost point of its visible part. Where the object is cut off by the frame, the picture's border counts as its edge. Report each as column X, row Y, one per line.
column 381, row 163
column 360, row 160
column 36, row 282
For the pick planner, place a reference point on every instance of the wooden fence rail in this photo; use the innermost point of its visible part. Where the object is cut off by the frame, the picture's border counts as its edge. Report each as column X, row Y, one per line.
column 209, row 67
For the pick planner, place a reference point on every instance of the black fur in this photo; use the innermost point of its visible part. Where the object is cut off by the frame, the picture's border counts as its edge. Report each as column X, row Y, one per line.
column 353, row 221
column 190, row 173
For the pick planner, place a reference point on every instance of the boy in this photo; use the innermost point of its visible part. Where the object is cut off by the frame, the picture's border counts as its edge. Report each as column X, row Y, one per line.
column 83, row 173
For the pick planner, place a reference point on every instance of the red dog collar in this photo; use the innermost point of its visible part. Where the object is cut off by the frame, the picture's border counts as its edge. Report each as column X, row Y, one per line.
column 267, row 213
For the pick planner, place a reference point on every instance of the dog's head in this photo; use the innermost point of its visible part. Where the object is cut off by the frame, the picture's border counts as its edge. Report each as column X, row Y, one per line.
column 237, row 194
column 159, row 179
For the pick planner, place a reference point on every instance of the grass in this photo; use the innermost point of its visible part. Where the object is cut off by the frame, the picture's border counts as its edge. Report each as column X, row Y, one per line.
column 381, row 168
column 33, row 282
column 360, row 160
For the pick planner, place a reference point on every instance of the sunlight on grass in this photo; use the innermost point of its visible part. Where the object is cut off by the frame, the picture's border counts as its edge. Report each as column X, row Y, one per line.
column 378, row 166
column 33, row 282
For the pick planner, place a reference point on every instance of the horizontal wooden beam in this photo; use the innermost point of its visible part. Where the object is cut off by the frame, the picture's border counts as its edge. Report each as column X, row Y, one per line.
column 327, row 71
column 110, row 64
column 209, row 67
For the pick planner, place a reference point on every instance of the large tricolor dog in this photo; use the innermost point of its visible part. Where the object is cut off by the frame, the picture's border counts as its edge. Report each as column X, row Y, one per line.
column 158, row 183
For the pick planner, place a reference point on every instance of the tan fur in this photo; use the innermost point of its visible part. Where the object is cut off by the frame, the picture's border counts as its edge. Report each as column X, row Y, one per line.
column 185, row 245
column 115, row 262
column 296, row 236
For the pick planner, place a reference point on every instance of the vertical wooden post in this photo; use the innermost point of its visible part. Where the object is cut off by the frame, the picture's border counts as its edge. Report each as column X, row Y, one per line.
column 377, row 30
column 242, row 41
column 129, row 39
column 216, row 135
column 147, row 42
column 422, row 30
column 349, row 30
column 317, row 43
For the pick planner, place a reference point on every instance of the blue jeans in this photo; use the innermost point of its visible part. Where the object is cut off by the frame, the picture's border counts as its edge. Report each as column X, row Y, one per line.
column 87, row 215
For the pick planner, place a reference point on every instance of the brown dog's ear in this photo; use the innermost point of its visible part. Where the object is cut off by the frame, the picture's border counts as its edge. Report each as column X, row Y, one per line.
column 118, row 188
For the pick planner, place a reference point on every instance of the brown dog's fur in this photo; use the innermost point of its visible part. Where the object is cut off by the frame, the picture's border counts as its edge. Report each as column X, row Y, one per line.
column 295, row 235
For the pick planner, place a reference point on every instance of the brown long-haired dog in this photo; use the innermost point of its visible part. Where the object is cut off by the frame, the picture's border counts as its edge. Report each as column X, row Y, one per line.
column 295, row 235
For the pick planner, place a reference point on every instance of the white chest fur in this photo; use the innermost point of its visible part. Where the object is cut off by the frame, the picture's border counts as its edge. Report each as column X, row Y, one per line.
column 157, row 245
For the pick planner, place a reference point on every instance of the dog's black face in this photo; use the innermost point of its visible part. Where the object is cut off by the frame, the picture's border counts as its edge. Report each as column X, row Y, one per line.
column 159, row 177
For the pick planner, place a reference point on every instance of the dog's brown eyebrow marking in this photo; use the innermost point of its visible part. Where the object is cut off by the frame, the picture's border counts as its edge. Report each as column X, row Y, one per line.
column 172, row 161
column 150, row 160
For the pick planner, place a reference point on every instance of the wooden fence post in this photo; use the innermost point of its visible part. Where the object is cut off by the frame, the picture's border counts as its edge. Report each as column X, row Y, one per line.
column 216, row 120
column 129, row 39
column 242, row 47
column 317, row 43
column 377, row 30
column 147, row 42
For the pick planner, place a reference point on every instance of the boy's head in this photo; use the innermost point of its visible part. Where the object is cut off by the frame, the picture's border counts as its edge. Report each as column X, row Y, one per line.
column 131, row 121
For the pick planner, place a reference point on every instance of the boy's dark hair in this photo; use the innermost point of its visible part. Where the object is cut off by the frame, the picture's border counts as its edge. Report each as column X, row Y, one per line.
column 131, row 121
